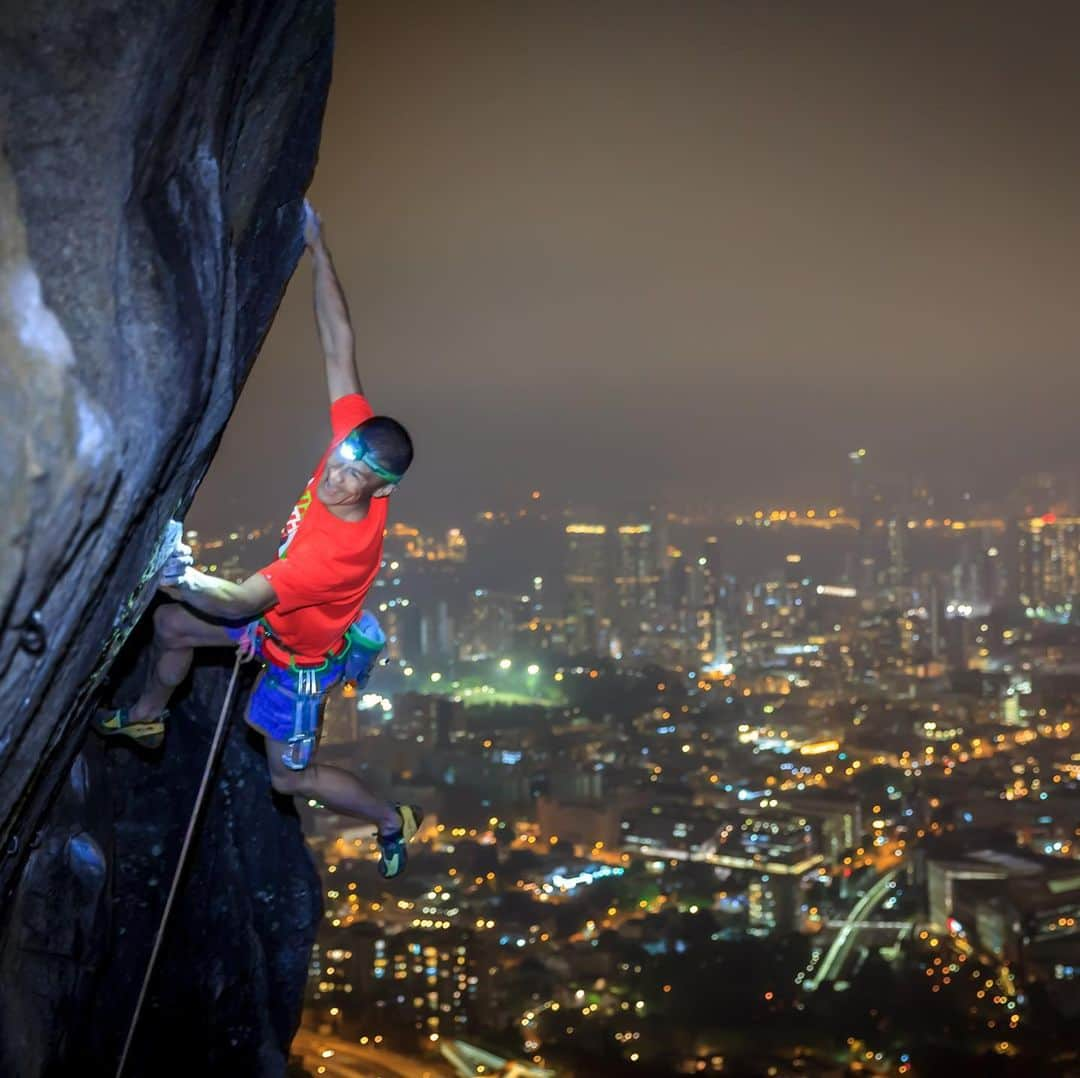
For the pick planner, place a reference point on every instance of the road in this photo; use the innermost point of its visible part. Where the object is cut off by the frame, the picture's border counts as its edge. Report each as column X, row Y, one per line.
column 352, row 1060
column 837, row 955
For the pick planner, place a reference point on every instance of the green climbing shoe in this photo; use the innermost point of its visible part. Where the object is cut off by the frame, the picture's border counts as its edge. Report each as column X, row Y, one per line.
column 114, row 722
column 393, row 853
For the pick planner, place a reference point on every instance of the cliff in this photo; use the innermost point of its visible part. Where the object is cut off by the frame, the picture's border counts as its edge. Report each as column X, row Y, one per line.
column 153, row 158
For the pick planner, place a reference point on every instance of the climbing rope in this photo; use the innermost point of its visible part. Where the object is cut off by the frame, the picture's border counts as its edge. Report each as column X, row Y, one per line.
column 211, row 760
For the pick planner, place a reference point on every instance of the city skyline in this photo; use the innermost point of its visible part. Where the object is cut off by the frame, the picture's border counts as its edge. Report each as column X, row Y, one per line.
column 733, row 606
column 838, row 781
column 622, row 265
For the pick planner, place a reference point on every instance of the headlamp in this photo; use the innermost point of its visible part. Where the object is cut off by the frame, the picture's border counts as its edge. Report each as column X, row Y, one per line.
column 355, row 448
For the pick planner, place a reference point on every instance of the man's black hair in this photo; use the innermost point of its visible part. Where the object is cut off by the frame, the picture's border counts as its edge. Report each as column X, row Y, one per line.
column 389, row 441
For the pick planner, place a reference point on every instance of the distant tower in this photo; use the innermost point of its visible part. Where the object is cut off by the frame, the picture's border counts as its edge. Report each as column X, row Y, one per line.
column 859, row 496
column 637, row 581
column 935, row 621
column 704, row 626
column 897, row 566
column 587, row 575
column 1048, row 560
column 862, row 509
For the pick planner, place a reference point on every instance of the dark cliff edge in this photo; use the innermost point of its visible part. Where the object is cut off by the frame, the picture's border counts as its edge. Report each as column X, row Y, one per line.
column 153, row 157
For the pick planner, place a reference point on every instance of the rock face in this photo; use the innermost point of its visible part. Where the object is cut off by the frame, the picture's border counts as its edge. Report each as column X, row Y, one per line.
column 153, row 155
column 226, row 992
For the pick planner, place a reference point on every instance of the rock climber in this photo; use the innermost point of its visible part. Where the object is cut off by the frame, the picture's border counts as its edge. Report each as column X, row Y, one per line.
column 302, row 614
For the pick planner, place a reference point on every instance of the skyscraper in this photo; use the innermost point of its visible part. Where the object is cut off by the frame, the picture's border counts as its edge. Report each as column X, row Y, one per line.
column 637, row 582
column 897, row 563
column 1048, row 560
column 587, row 574
column 863, row 570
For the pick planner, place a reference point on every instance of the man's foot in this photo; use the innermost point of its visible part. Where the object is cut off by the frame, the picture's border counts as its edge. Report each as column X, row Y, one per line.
column 113, row 722
column 393, row 855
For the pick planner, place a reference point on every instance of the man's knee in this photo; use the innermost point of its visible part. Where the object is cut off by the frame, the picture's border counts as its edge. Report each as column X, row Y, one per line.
column 170, row 626
column 289, row 782
column 177, row 627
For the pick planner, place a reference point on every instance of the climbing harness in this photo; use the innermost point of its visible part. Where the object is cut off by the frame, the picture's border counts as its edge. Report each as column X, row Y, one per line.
column 211, row 761
column 306, row 722
column 306, row 690
column 300, row 688
column 364, row 640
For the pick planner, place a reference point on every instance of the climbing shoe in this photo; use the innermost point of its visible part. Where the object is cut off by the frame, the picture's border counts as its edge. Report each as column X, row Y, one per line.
column 113, row 722
column 393, row 855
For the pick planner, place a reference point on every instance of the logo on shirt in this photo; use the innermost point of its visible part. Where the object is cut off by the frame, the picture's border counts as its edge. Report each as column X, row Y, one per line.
column 292, row 525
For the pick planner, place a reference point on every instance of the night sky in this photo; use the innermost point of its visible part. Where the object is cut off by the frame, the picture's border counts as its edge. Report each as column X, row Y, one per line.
column 687, row 252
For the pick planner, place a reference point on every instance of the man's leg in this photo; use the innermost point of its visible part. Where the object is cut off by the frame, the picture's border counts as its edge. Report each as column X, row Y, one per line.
column 177, row 632
column 343, row 792
column 337, row 789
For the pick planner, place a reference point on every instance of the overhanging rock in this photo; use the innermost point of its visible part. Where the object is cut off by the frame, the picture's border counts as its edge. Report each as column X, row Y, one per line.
column 152, row 161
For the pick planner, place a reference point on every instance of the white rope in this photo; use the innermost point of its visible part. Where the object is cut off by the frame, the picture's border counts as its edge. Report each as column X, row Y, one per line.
column 211, row 760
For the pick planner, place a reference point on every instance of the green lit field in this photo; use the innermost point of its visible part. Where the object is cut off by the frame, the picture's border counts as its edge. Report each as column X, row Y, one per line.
column 497, row 683
column 524, row 690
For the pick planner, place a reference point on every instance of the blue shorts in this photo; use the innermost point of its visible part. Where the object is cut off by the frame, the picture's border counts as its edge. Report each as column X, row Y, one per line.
column 286, row 702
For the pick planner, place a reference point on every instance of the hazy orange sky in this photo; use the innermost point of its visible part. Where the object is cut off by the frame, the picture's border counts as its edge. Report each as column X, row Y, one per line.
column 631, row 251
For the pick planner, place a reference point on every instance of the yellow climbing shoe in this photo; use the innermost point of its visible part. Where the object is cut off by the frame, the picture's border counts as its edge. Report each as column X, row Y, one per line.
column 393, row 854
column 114, row 722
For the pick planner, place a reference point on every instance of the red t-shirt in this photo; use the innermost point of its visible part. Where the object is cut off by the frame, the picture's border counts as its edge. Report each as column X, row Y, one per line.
column 325, row 565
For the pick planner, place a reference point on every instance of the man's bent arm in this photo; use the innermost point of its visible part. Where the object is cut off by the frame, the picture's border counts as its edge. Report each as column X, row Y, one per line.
column 222, row 598
column 331, row 315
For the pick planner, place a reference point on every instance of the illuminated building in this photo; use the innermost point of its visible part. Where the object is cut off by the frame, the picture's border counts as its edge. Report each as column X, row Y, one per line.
column 427, row 979
column 1013, row 904
column 897, row 565
column 402, row 541
column 341, row 970
column 637, row 583
column 586, row 587
column 863, row 508
column 579, row 822
column 836, row 818
column 1048, row 561
column 437, row 632
column 401, row 621
column 493, row 623
column 753, row 840
column 457, row 549
column 773, row 903
column 700, row 613
column 980, row 577
column 341, row 721
column 428, row 717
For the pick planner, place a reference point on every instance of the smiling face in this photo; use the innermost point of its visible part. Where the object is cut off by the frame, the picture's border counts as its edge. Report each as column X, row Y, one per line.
column 347, row 483
column 356, row 470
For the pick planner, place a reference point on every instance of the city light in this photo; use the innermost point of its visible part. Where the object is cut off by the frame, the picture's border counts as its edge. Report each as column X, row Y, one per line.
column 693, row 760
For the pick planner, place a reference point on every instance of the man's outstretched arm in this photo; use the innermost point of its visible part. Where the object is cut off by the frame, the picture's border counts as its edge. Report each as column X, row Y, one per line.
column 221, row 598
column 331, row 314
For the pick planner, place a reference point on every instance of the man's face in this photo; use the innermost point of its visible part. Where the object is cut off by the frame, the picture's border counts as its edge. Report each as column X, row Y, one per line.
column 347, row 482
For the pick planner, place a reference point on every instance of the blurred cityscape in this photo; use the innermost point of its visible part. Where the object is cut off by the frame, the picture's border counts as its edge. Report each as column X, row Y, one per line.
column 792, row 790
